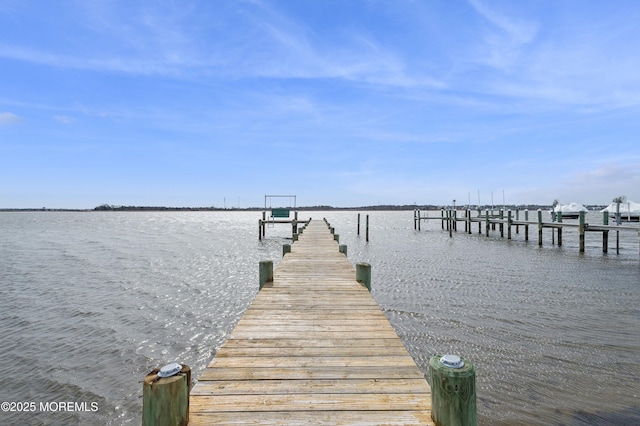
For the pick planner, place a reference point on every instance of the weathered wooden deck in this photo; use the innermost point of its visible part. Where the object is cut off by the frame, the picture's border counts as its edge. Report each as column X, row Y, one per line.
column 313, row 348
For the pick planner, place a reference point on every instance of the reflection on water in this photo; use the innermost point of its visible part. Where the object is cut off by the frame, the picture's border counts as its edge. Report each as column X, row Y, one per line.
column 93, row 301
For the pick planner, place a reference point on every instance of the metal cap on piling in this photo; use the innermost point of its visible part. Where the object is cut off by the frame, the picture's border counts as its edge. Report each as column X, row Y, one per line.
column 453, row 391
column 165, row 395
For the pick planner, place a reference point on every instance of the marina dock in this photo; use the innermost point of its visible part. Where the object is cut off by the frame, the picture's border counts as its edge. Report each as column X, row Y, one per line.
column 313, row 348
column 450, row 218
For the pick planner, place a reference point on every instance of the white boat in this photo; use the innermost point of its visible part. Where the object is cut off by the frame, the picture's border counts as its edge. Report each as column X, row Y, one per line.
column 629, row 211
column 569, row 211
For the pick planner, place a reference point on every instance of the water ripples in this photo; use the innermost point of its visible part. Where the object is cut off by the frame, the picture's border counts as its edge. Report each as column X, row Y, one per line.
column 91, row 302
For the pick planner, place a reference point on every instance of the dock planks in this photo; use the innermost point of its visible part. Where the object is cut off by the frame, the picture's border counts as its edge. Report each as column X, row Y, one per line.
column 313, row 348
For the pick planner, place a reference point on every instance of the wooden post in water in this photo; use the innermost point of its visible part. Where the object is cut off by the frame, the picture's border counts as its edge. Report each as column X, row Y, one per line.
column 540, row 227
column 454, row 215
column 165, row 396
column 358, row 223
column 294, row 224
column 486, row 217
column 286, row 248
column 509, row 220
column 453, row 391
column 367, row 230
column 479, row 222
column 336, row 237
column 517, row 219
column 447, row 218
column 469, row 220
column 501, row 217
column 443, row 218
column 526, row 227
column 449, row 223
column 266, row 272
column 605, row 233
column 363, row 274
column 264, row 224
column 581, row 229
column 560, row 229
column 342, row 248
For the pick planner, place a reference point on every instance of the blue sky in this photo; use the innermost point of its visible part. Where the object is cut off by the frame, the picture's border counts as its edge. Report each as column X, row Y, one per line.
column 345, row 103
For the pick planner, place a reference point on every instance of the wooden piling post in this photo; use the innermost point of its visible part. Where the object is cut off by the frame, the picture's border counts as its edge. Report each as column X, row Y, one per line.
column 453, row 391
column 540, row 227
column 560, row 229
column 581, row 229
column 336, row 237
column 165, row 399
column 443, row 218
column 294, row 223
column 367, row 230
column 479, row 221
column 509, row 220
column 501, row 216
column 363, row 274
column 466, row 221
column 526, row 227
column 342, row 248
column 419, row 221
column 605, row 233
column 286, row 248
column 454, row 216
column 358, row 223
column 415, row 219
column 486, row 217
column 266, row 272
column 449, row 223
column 517, row 220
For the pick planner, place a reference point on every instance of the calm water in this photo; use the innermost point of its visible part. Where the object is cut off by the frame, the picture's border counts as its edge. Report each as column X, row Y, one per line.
column 91, row 302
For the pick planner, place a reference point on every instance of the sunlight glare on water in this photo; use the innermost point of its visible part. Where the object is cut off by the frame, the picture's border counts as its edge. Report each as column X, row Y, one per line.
column 93, row 301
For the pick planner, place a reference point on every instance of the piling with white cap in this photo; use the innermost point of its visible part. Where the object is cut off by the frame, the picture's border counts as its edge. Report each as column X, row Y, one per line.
column 453, row 391
column 165, row 396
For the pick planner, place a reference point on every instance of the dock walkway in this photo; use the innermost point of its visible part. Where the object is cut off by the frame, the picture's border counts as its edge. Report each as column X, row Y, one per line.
column 313, row 348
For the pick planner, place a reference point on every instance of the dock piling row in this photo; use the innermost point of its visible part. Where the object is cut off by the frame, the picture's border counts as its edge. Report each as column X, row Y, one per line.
column 449, row 218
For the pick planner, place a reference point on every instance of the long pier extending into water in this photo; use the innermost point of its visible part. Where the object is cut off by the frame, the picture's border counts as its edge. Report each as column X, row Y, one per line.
column 313, row 348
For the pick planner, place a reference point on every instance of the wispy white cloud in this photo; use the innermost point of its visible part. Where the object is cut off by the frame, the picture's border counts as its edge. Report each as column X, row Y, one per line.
column 556, row 62
column 506, row 39
column 8, row 118
column 64, row 119
column 265, row 42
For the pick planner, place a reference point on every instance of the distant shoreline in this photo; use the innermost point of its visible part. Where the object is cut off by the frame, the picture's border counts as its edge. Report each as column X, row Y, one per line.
column 383, row 207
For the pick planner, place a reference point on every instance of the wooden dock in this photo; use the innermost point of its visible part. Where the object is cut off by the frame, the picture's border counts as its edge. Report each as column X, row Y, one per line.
column 502, row 219
column 313, row 348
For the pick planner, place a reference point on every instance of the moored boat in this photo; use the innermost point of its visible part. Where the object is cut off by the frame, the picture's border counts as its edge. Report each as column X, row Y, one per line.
column 629, row 211
column 569, row 211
